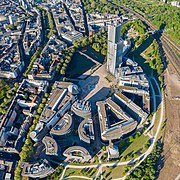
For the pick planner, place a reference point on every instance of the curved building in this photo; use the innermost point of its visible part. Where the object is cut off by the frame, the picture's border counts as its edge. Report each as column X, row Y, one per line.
column 51, row 146
column 38, row 169
column 86, row 131
column 73, row 89
column 78, row 153
column 63, row 127
column 82, row 108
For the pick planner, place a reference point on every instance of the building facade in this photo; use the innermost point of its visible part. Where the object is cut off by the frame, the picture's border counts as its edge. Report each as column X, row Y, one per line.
column 115, row 47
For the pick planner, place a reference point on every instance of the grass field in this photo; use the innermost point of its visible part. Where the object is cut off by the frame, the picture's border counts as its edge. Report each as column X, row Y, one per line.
column 89, row 172
column 113, row 172
column 136, row 147
column 76, row 178
column 156, row 121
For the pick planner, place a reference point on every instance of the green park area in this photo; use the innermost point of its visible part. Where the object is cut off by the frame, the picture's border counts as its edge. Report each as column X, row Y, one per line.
column 74, row 178
column 133, row 146
column 88, row 172
column 113, row 172
column 157, row 119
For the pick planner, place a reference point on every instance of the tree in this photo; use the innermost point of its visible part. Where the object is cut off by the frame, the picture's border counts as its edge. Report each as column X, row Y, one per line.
column 46, row 95
column 131, row 139
column 43, row 100
column 16, row 24
column 93, row 4
column 96, row 47
column 64, row 79
column 137, row 172
column 16, row 85
column 41, row 105
column 5, row 100
column 103, row 148
column 3, row 111
column 8, row 96
column 39, row 111
column 104, row 51
column 25, row 97
column 62, row 71
column 138, row 134
column 123, row 158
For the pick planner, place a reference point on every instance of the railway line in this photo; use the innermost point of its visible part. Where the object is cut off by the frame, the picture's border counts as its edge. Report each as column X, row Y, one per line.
column 167, row 43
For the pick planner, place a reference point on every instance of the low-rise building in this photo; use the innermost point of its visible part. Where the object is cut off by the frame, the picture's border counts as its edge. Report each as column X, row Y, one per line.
column 130, row 74
column 38, row 169
column 50, row 145
column 63, row 127
column 11, row 63
column 175, row 3
column 16, row 122
column 44, row 68
column 70, row 35
column 86, row 131
column 130, row 107
column 82, row 108
column 77, row 153
column 113, row 151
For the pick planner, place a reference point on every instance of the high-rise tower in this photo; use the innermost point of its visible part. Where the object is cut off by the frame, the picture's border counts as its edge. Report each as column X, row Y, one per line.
column 115, row 47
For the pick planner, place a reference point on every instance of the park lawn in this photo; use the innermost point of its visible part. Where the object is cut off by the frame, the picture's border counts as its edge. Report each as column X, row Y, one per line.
column 89, row 172
column 113, row 172
column 73, row 178
column 156, row 122
column 137, row 146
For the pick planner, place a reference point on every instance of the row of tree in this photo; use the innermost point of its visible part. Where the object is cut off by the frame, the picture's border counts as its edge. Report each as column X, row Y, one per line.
column 149, row 167
column 6, row 96
column 156, row 61
column 65, row 60
column 49, row 30
column 32, row 60
column 27, row 149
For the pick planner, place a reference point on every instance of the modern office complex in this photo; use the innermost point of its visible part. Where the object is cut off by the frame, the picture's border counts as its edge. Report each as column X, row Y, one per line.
column 114, row 122
column 120, row 114
column 60, row 101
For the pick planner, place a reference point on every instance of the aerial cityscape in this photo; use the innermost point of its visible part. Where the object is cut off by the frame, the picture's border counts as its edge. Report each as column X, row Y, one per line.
column 89, row 89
